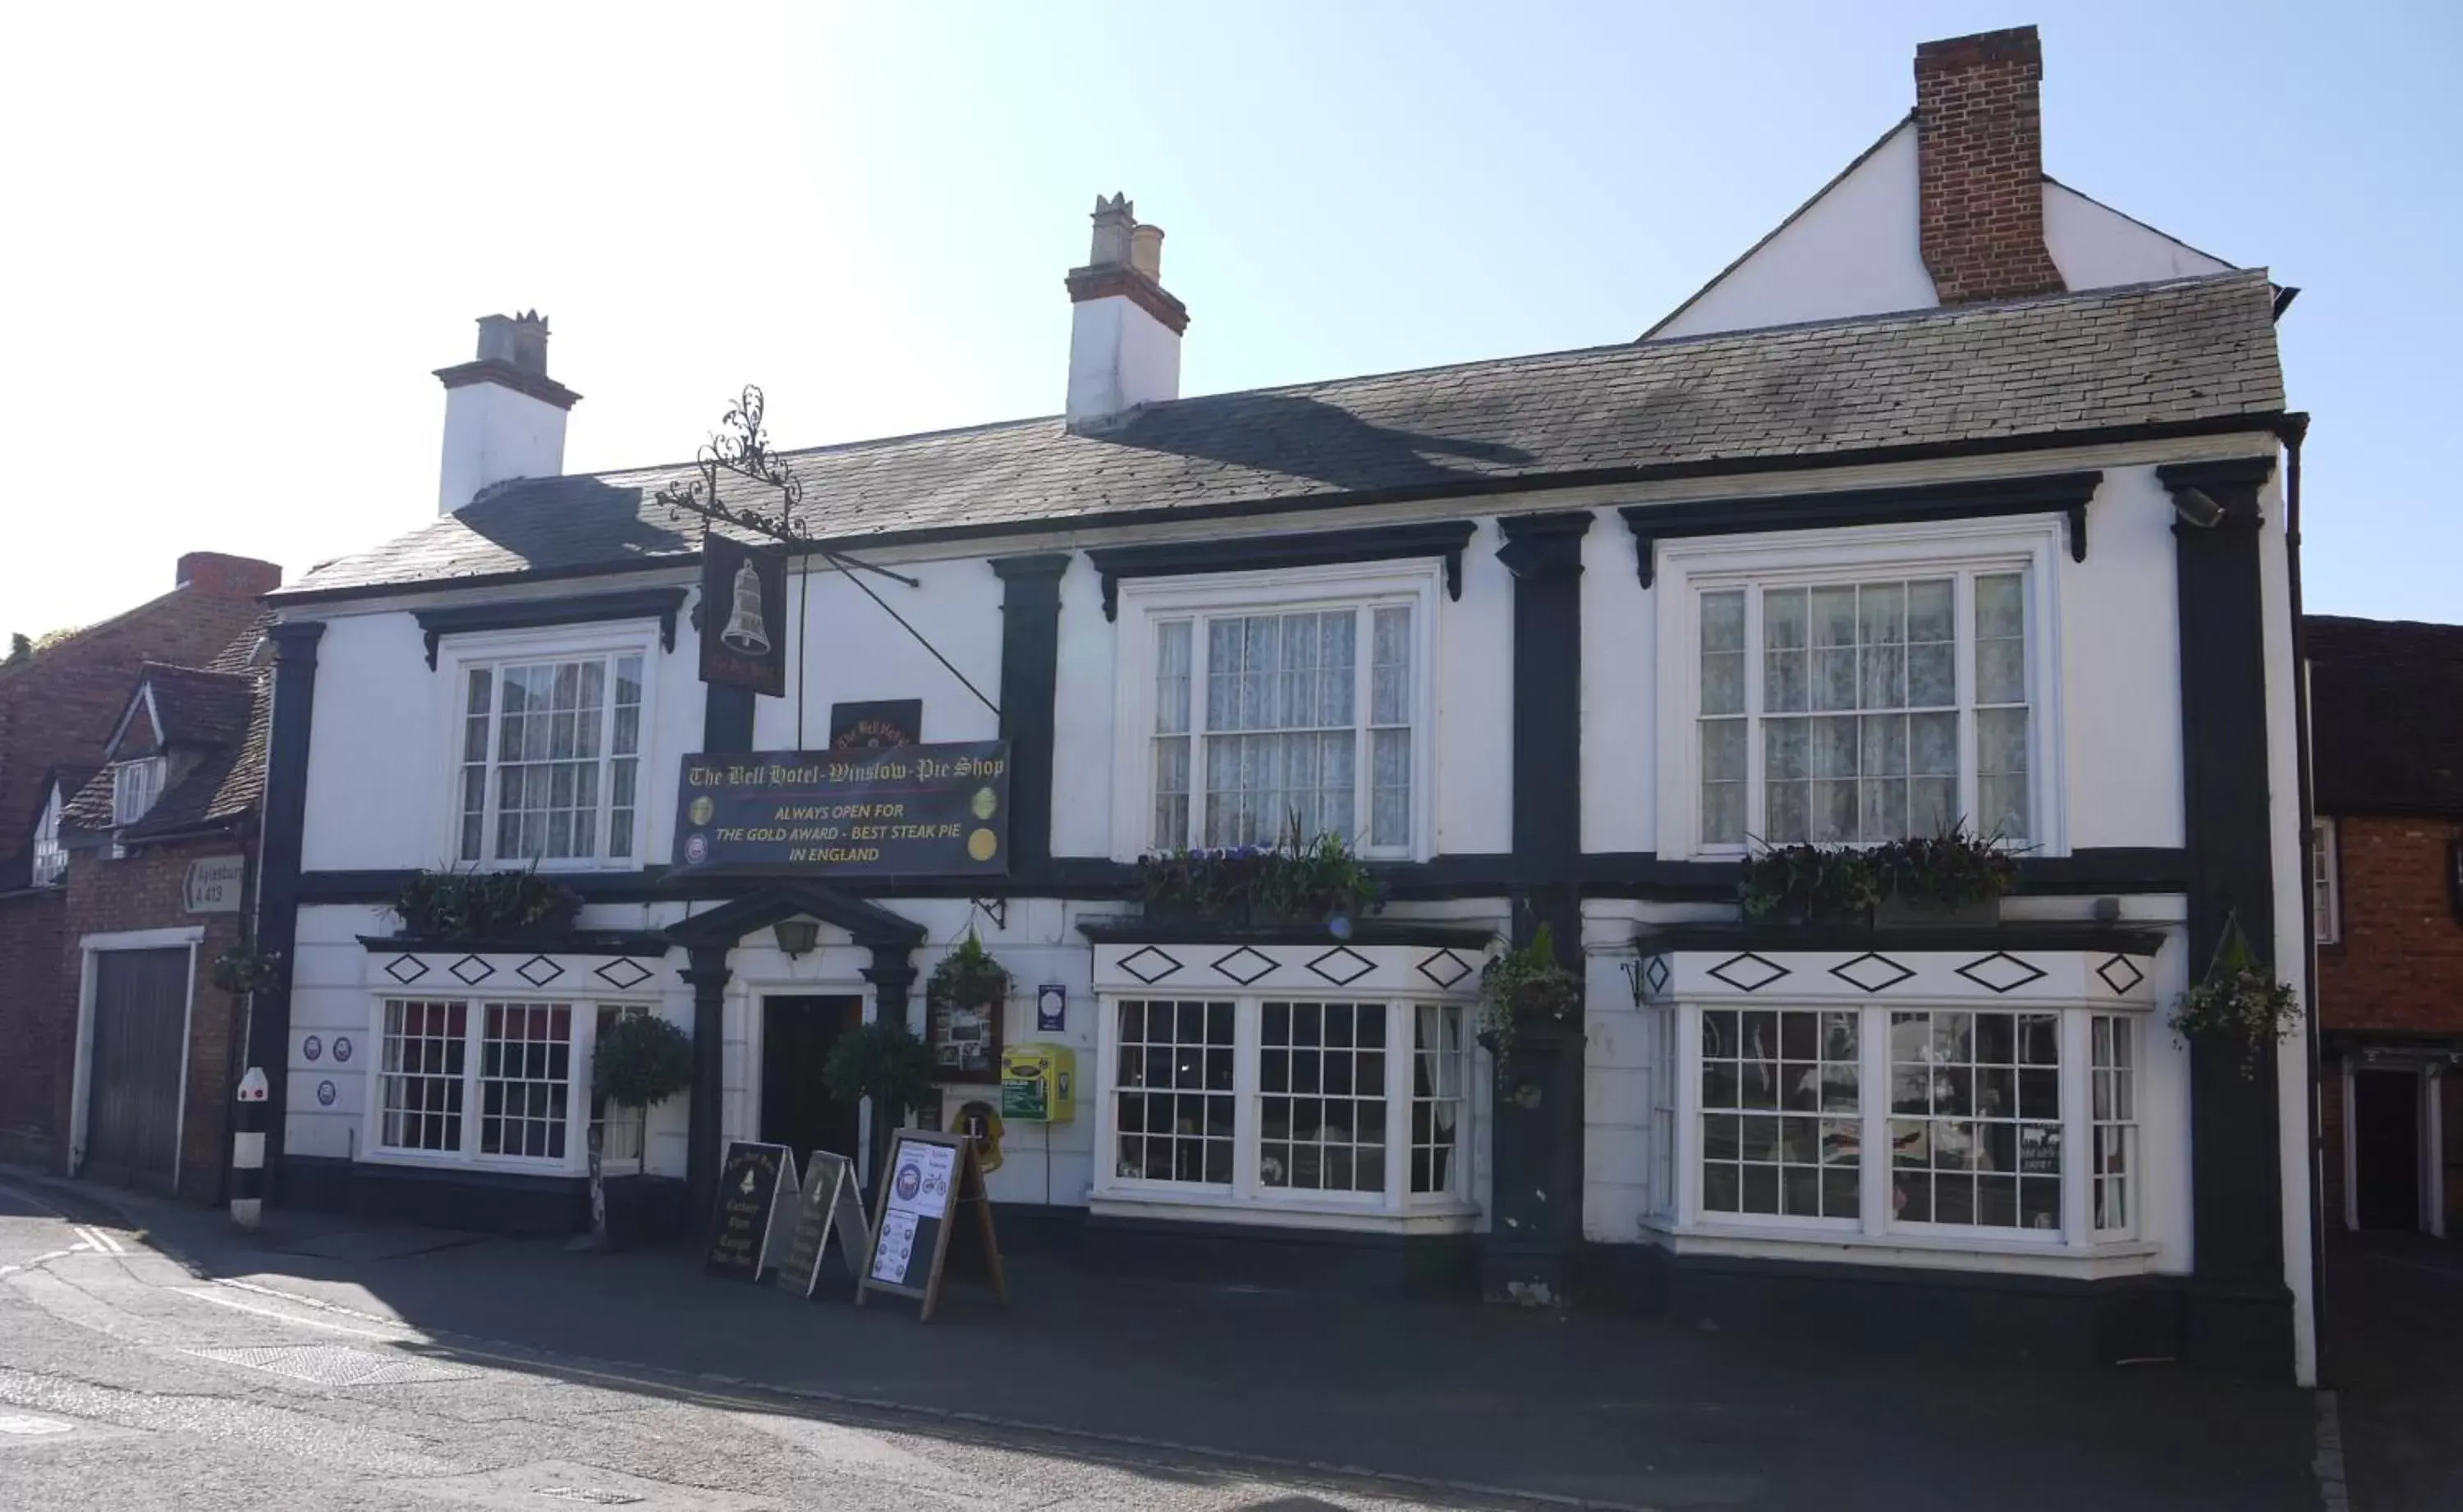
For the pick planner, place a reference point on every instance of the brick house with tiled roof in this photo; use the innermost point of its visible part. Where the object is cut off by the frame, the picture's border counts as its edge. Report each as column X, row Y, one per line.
column 68, row 902
column 2387, row 894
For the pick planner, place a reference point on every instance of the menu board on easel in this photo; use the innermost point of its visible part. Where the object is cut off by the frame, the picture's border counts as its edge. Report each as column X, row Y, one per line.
column 748, row 1200
column 934, row 1190
column 828, row 1204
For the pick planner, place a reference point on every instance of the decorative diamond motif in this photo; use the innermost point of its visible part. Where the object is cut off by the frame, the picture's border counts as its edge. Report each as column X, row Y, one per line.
column 1656, row 974
column 1871, row 973
column 2121, row 973
column 1445, row 969
column 471, row 970
column 1748, row 972
column 405, row 969
column 2001, row 972
column 622, row 973
column 1148, row 965
column 1342, row 966
column 538, row 971
column 1245, row 964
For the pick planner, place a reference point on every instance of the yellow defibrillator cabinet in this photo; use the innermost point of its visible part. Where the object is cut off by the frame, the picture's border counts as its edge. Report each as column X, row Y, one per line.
column 1039, row 1084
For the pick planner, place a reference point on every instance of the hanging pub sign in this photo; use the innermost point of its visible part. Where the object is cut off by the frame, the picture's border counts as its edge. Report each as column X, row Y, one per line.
column 909, row 811
column 744, row 617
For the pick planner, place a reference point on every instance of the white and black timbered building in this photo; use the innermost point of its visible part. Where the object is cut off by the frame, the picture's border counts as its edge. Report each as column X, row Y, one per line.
column 1960, row 495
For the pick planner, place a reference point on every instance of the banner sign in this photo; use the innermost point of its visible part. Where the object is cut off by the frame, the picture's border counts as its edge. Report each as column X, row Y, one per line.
column 744, row 625
column 909, row 811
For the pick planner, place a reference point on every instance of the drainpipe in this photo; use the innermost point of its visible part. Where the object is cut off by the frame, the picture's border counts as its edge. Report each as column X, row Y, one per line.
column 2292, row 430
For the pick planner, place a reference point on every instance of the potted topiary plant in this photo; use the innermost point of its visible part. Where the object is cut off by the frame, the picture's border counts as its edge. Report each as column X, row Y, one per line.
column 639, row 1062
column 881, row 1060
column 2238, row 1004
column 1519, row 988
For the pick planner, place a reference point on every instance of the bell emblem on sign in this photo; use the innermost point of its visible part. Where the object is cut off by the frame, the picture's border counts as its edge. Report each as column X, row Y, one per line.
column 746, row 631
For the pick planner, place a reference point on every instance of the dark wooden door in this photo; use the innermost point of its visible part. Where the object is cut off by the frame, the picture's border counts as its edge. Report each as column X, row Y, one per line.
column 796, row 1108
column 2386, row 1147
column 138, row 1050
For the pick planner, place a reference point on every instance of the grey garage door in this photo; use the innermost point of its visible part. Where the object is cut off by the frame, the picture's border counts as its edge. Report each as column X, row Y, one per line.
column 132, row 1120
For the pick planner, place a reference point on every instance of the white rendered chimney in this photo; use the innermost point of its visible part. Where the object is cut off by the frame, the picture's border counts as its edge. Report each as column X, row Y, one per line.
column 504, row 416
column 1124, row 329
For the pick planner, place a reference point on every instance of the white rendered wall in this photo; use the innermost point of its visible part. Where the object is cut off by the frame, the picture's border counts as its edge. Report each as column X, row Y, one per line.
column 1857, row 250
column 1474, row 749
column 493, row 434
column 857, row 652
column 1082, row 712
column 1619, row 694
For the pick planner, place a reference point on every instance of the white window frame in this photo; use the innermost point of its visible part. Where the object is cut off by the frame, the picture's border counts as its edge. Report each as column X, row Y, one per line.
column 2325, row 883
column 1875, row 1225
column 1144, row 602
column 465, row 654
column 51, row 859
column 1685, row 570
column 143, row 776
column 583, row 1011
column 1246, row 1195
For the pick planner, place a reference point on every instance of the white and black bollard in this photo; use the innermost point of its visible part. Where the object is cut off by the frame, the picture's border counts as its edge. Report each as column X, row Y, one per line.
column 248, row 1152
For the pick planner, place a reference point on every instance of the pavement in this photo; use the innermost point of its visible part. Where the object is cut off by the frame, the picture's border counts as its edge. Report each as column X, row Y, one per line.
column 1405, row 1403
column 2395, row 1359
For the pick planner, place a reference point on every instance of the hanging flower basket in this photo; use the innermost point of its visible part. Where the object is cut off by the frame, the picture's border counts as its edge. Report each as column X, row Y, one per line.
column 2238, row 1003
column 243, row 968
column 1523, row 988
column 968, row 977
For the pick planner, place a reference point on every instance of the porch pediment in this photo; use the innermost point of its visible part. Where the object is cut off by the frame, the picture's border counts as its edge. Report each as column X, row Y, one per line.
column 867, row 923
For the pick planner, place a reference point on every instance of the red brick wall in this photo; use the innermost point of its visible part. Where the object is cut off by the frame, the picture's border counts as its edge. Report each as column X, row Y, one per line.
column 1980, row 174
column 2398, row 962
column 148, row 891
column 30, row 1025
column 59, row 706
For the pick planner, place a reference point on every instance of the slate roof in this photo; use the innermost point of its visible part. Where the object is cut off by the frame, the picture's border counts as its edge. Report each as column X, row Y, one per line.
column 2184, row 351
column 2385, row 715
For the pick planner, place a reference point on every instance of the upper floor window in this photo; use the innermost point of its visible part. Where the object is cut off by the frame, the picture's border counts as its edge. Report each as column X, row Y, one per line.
column 550, row 760
column 1256, row 701
column 1852, row 691
column 51, row 861
column 135, row 786
column 2323, row 900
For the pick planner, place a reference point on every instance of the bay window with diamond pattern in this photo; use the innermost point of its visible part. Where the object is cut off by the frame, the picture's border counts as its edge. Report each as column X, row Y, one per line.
column 489, row 1080
column 1970, row 1124
column 1327, row 1102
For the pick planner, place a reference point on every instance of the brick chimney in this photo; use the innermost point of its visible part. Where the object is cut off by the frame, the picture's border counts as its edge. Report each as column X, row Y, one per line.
column 1980, row 156
column 1124, row 329
column 504, row 416
column 220, row 577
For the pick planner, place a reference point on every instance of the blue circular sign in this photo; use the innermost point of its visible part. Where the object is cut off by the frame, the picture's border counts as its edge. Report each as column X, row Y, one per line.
column 342, row 1047
column 312, row 1047
column 325, row 1094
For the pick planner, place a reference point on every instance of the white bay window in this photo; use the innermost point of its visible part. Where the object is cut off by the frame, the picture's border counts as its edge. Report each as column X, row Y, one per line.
column 1862, row 691
column 489, row 1082
column 1249, row 699
column 1319, row 1103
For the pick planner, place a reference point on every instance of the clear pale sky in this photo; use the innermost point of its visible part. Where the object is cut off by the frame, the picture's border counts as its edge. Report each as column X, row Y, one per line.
column 241, row 238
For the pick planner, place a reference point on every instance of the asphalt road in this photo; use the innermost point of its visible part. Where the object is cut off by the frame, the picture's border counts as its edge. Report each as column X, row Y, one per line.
column 129, row 1384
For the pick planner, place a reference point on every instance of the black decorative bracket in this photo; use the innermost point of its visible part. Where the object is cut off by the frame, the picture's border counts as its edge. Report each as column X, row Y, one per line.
column 1442, row 538
column 995, row 908
column 2065, row 493
column 645, row 603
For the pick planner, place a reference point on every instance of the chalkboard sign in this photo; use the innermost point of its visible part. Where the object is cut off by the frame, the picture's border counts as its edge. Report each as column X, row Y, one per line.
column 932, row 1190
column 829, row 1203
column 748, row 1196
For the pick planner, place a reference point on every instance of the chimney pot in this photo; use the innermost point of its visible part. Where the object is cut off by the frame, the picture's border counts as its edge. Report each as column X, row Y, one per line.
column 1146, row 252
column 1114, row 219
